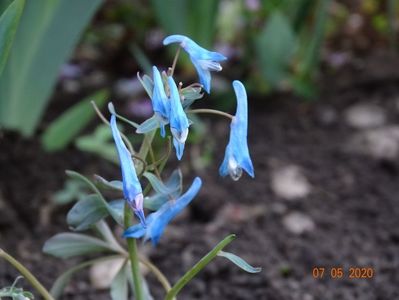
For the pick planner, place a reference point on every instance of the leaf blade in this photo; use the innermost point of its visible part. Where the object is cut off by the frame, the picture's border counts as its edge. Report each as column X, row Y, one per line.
column 239, row 262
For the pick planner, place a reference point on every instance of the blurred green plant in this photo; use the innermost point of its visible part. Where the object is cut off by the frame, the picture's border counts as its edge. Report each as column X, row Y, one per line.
column 193, row 18
column 10, row 13
column 15, row 293
column 288, row 46
column 44, row 39
column 67, row 126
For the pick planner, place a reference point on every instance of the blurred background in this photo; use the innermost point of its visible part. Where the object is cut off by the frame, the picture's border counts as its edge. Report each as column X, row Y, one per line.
column 322, row 79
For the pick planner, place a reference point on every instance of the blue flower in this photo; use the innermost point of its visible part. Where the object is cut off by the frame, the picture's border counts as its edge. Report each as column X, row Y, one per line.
column 160, row 101
column 157, row 221
column 203, row 60
column 179, row 122
column 237, row 157
column 131, row 186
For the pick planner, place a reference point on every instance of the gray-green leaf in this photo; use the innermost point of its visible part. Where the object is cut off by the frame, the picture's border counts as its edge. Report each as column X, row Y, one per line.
column 119, row 286
column 62, row 281
column 238, row 261
column 65, row 245
column 148, row 125
column 86, row 212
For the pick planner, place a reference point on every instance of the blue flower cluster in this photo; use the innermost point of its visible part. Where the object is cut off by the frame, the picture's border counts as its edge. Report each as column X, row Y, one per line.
column 168, row 109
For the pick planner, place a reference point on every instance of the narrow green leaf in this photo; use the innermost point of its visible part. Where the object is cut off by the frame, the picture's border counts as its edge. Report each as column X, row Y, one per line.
column 65, row 128
column 41, row 45
column 86, row 212
column 312, row 55
column 65, row 245
column 141, row 58
column 9, row 21
column 190, row 274
column 239, row 262
column 63, row 280
column 119, row 285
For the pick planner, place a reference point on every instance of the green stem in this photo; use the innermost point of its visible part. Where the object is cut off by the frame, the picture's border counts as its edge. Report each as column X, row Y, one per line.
column 133, row 256
column 106, row 122
column 209, row 111
column 190, row 274
column 27, row 275
column 172, row 69
column 145, row 146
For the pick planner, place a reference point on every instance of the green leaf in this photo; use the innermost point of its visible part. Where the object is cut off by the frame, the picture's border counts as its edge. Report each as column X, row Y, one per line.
column 115, row 209
column 115, row 185
column 148, row 125
column 239, row 262
column 44, row 40
column 66, row 127
column 9, row 21
column 158, row 185
column 73, row 190
column 86, row 212
column 311, row 57
column 146, row 289
column 65, row 245
column 190, row 94
column 111, row 209
column 275, row 46
column 190, row 274
column 174, row 185
column 99, row 143
column 62, row 281
column 119, row 286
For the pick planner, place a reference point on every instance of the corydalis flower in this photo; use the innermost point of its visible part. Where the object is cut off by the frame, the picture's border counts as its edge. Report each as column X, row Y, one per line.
column 160, row 101
column 237, row 157
column 157, row 221
column 203, row 60
column 178, row 120
column 131, row 186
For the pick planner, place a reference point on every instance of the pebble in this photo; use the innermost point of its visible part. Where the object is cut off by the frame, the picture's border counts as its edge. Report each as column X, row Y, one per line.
column 364, row 115
column 381, row 143
column 290, row 183
column 298, row 223
column 102, row 273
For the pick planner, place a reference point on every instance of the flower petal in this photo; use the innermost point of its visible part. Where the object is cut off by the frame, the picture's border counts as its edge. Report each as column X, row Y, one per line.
column 237, row 154
column 169, row 210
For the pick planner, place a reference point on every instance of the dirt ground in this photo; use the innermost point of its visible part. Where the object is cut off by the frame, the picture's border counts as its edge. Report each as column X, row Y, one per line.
column 351, row 210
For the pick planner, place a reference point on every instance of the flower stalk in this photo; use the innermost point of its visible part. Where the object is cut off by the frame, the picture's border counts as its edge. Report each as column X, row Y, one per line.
column 133, row 256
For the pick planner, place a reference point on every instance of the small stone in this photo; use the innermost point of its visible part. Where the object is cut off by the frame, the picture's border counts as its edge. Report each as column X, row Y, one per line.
column 381, row 143
column 363, row 116
column 298, row 223
column 102, row 273
column 290, row 183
